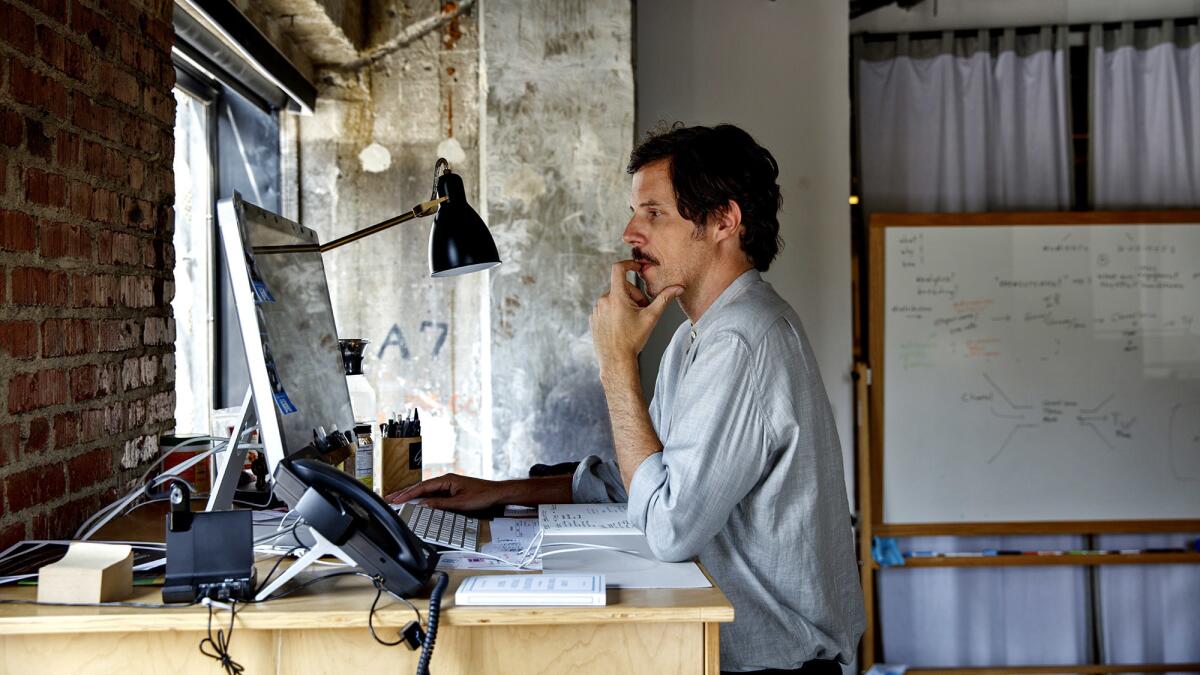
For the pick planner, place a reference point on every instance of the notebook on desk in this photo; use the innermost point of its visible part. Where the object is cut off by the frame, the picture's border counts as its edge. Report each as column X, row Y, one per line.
column 610, row 545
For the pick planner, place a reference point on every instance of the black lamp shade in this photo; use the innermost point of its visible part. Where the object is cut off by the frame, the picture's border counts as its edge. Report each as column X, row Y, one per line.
column 459, row 242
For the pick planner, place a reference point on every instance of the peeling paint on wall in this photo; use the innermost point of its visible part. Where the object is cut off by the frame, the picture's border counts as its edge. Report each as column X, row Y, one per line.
column 426, row 334
column 375, row 158
column 560, row 119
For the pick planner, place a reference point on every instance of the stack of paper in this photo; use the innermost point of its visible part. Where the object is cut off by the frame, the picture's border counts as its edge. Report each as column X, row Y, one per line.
column 600, row 539
column 533, row 589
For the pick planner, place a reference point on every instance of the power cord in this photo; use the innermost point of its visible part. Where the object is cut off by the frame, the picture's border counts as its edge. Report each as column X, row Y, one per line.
column 220, row 644
column 435, row 606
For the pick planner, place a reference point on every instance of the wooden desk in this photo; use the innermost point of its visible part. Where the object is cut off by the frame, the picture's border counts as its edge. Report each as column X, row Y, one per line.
column 323, row 629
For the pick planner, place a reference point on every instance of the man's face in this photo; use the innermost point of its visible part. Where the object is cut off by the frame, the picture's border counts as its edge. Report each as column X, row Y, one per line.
column 662, row 241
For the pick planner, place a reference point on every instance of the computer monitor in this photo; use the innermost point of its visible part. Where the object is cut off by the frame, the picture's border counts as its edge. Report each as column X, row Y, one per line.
column 281, row 296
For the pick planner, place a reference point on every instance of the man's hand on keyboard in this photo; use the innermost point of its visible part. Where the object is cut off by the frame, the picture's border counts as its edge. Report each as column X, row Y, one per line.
column 454, row 492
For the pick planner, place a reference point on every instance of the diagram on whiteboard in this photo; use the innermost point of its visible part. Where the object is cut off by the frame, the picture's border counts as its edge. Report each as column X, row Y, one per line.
column 1030, row 370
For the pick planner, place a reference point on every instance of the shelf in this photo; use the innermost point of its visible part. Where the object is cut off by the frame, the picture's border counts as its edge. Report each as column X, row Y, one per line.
column 1084, row 668
column 1034, row 560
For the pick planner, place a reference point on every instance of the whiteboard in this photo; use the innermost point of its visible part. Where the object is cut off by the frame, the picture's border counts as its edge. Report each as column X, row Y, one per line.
column 1041, row 373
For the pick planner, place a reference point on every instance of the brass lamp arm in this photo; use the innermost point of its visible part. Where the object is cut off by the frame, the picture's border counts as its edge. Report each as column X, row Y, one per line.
column 419, row 211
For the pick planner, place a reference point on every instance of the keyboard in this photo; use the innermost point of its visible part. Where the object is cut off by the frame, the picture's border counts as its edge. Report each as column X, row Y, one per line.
column 441, row 528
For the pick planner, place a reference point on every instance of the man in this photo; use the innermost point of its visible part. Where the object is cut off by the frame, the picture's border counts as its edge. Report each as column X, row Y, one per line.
column 736, row 460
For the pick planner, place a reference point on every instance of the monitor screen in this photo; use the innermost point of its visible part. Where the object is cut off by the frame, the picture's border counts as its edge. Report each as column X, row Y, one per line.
column 286, row 320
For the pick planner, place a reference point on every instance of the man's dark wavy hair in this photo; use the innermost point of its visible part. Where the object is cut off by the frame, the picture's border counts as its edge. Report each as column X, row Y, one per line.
column 709, row 167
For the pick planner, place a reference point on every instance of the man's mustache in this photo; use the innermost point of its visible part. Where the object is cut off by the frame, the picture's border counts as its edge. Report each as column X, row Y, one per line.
column 642, row 257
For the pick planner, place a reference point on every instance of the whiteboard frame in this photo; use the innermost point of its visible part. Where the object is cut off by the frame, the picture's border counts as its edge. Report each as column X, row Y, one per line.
column 873, row 476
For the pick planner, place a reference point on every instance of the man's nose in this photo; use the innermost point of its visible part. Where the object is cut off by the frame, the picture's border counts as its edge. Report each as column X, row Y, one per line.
column 633, row 234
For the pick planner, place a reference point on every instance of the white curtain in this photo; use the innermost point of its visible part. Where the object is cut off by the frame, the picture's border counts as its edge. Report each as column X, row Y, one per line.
column 1146, row 116
column 1146, row 155
column 957, row 124
column 985, row 616
column 1149, row 613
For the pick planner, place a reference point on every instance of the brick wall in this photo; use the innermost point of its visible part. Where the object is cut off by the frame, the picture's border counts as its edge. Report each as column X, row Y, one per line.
column 86, row 194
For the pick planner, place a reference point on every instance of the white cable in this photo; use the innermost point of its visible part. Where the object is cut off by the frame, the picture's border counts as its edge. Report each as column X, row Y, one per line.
column 112, row 513
column 120, row 503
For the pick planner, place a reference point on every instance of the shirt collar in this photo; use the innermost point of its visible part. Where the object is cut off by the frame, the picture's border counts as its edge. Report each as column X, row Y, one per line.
column 731, row 291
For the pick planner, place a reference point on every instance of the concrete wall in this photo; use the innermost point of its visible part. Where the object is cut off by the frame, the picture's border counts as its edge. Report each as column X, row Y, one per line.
column 955, row 14
column 559, row 129
column 368, row 154
column 780, row 71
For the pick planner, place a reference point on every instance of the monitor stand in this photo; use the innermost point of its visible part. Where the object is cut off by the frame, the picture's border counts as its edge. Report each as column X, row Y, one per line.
column 322, row 547
column 230, row 463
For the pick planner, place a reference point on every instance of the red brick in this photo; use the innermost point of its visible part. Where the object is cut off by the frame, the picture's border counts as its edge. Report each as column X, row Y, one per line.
column 91, row 154
column 13, row 533
column 67, row 156
column 35, row 486
column 17, row 232
column 3, row 175
column 91, row 425
column 10, row 440
column 118, row 335
column 31, row 286
column 83, row 290
column 108, row 289
column 140, row 292
column 105, row 205
column 30, row 391
column 76, row 62
column 66, row 337
column 18, row 339
column 89, row 115
column 97, row 29
column 118, row 248
column 39, row 434
column 137, row 173
column 63, row 240
column 37, row 141
column 90, row 468
column 50, row 46
column 3, row 285
column 124, row 12
column 16, row 28
column 49, row 189
column 63, row 521
column 81, row 199
column 55, row 9
column 12, row 128
column 66, row 429
column 84, row 384
column 37, row 90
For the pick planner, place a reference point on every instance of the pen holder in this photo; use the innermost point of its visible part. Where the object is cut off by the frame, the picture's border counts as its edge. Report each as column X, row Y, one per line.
column 397, row 464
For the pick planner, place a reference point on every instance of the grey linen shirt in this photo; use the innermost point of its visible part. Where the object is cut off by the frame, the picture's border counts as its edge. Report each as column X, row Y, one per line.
column 749, row 480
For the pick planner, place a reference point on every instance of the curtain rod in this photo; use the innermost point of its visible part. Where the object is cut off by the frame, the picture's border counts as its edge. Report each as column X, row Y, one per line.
column 1022, row 30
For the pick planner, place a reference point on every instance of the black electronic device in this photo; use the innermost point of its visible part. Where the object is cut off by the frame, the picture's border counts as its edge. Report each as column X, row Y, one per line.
column 208, row 554
column 356, row 520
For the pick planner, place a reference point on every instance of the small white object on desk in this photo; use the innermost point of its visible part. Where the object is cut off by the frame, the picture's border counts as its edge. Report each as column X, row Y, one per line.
column 88, row 573
column 585, row 590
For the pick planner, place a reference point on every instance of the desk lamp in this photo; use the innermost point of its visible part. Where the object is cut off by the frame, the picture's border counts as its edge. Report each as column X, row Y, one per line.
column 459, row 242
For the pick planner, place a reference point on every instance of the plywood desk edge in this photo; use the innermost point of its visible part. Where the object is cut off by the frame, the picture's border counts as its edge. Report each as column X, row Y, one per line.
column 347, row 607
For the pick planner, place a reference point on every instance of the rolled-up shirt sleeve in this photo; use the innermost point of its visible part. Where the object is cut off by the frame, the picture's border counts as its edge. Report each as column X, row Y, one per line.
column 597, row 481
column 717, row 447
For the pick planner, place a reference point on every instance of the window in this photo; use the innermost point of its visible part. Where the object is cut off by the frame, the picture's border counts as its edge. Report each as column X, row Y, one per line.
column 226, row 140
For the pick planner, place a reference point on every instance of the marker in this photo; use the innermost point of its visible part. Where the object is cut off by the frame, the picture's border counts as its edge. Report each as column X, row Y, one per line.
column 922, row 554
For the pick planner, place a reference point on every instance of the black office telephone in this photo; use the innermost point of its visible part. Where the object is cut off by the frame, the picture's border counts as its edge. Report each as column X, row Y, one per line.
column 357, row 520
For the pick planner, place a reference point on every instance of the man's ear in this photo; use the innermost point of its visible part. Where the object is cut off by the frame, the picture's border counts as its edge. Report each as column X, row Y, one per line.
column 727, row 222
